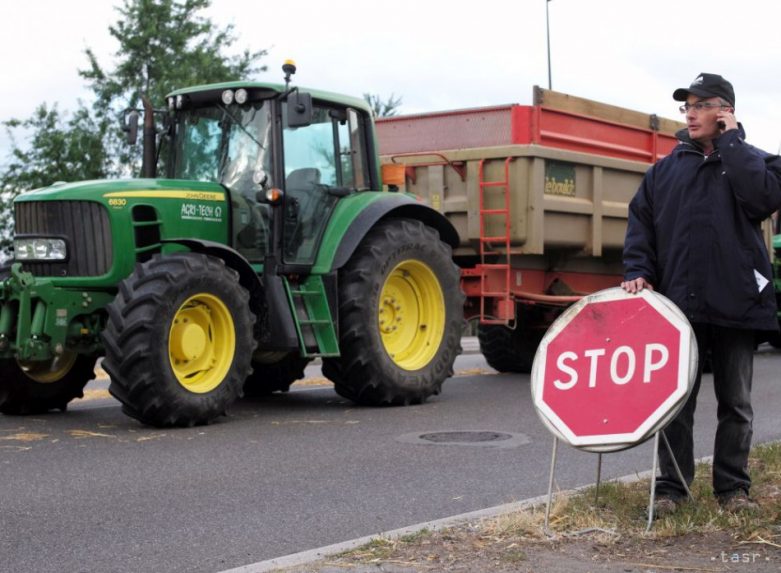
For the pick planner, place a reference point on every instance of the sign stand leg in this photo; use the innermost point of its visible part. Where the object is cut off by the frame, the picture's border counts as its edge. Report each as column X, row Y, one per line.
column 652, row 498
column 599, row 478
column 550, row 485
column 677, row 468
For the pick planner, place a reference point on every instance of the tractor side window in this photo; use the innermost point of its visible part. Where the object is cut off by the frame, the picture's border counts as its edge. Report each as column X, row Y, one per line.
column 311, row 170
column 312, row 147
column 324, row 161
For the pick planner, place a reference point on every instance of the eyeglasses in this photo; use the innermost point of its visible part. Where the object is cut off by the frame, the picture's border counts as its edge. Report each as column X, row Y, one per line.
column 700, row 106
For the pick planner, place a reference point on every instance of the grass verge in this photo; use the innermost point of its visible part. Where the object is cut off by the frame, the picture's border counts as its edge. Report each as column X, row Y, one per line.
column 617, row 519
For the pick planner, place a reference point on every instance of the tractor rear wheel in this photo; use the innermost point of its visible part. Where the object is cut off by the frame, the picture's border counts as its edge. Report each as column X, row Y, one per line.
column 35, row 387
column 400, row 316
column 179, row 340
column 270, row 376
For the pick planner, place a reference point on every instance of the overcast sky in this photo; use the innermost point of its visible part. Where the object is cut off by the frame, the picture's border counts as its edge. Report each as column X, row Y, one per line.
column 441, row 55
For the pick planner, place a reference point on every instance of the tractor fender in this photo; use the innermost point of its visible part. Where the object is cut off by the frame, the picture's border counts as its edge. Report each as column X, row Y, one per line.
column 391, row 206
column 248, row 278
column 275, row 326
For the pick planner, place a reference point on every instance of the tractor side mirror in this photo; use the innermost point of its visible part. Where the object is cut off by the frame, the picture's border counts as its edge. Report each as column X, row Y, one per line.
column 299, row 109
column 130, row 126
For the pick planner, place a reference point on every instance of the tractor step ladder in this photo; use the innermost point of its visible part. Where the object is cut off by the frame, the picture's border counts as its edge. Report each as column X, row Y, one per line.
column 312, row 316
column 500, row 263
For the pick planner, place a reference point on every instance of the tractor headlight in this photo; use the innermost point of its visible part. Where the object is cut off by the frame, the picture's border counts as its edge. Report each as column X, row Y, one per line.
column 40, row 249
column 241, row 96
column 227, row 97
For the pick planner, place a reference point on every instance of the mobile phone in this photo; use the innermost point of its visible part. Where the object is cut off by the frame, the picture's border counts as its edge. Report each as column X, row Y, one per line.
column 721, row 125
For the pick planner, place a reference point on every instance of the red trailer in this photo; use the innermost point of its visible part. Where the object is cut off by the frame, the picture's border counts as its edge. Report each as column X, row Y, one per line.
column 539, row 195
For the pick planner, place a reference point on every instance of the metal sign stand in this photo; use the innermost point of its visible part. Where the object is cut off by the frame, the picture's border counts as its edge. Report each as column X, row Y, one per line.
column 652, row 497
column 593, row 327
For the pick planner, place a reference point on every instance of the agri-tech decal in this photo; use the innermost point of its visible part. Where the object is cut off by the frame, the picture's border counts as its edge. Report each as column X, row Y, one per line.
column 200, row 212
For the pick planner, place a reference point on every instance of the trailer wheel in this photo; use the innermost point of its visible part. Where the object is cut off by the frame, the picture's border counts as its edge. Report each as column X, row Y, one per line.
column 270, row 376
column 33, row 387
column 179, row 340
column 400, row 316
column 774, row 339
column 508, row 350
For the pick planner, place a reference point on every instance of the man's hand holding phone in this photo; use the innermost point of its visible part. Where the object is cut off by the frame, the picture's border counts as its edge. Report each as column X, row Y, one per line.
column 726, row 120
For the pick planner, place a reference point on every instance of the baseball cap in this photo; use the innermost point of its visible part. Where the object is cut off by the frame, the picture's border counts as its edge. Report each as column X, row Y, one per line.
column 707, row 85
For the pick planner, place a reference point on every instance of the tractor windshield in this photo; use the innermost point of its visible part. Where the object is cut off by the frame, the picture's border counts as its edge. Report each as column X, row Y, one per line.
column 230, row 145
column 226, row 144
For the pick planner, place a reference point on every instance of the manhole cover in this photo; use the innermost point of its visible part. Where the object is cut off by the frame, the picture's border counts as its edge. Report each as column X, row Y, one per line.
column 479, row 438
column 460, row 437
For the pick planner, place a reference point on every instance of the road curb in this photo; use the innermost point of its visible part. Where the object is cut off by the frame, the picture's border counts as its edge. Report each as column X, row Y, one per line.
column 312, row 555
column 304, row 557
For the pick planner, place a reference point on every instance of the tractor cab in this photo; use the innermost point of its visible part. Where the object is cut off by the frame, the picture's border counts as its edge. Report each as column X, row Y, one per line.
column 285, row 156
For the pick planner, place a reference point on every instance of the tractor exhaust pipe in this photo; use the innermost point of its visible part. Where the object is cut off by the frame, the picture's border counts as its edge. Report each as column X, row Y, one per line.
column 149, row 165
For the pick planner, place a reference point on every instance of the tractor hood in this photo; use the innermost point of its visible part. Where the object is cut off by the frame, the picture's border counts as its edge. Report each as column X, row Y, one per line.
column 105, row 189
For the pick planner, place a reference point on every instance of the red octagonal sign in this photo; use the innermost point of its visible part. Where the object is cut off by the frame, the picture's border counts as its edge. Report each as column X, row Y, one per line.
column 614, row 369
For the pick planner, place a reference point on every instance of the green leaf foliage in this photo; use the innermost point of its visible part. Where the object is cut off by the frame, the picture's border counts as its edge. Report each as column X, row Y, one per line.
column 60, row 147
column 162, row 45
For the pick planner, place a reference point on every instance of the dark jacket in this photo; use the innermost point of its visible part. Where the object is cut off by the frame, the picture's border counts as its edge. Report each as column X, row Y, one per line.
column 694, row 231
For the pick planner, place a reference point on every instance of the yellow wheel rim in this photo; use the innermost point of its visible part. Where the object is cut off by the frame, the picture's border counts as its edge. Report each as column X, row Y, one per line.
column 48, row 371
column 201, row 343
column 411, row 315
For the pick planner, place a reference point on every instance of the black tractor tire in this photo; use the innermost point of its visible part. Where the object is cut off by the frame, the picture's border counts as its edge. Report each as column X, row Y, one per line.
column 400, row 316
column 179, row 340
column 268, row 377
column 508, row 350
column 37, row 387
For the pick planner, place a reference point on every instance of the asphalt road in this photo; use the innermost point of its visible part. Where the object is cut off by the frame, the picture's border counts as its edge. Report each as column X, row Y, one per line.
column 93, row 490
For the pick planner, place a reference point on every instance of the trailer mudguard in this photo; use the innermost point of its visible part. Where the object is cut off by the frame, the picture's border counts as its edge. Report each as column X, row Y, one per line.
column 356, row 215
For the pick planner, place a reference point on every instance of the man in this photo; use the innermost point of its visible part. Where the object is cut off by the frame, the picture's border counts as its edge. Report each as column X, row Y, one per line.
column 694, row 235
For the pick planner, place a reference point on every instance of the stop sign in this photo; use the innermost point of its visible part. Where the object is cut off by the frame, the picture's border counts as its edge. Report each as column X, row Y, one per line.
column 614, row 369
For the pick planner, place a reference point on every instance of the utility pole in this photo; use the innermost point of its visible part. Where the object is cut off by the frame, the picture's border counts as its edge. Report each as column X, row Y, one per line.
column 547, row 25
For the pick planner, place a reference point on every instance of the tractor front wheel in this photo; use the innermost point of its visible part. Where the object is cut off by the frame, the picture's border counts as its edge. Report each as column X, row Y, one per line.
column 35, row 387
column 179, row 340
column 400, row 316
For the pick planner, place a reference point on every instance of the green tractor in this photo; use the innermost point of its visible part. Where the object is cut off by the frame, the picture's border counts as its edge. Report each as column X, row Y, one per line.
column 268, row 242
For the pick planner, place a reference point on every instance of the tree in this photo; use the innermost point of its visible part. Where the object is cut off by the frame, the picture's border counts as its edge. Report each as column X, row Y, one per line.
column 162, row 45
column 60, row 148
column 387, row 108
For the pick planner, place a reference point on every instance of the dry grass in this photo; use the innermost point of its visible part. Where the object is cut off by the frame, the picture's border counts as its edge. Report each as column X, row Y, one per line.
column 617, row 521
column 623, row 506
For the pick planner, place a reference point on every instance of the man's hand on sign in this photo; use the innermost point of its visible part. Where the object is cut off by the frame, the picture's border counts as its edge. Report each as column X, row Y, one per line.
column 636, row 285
